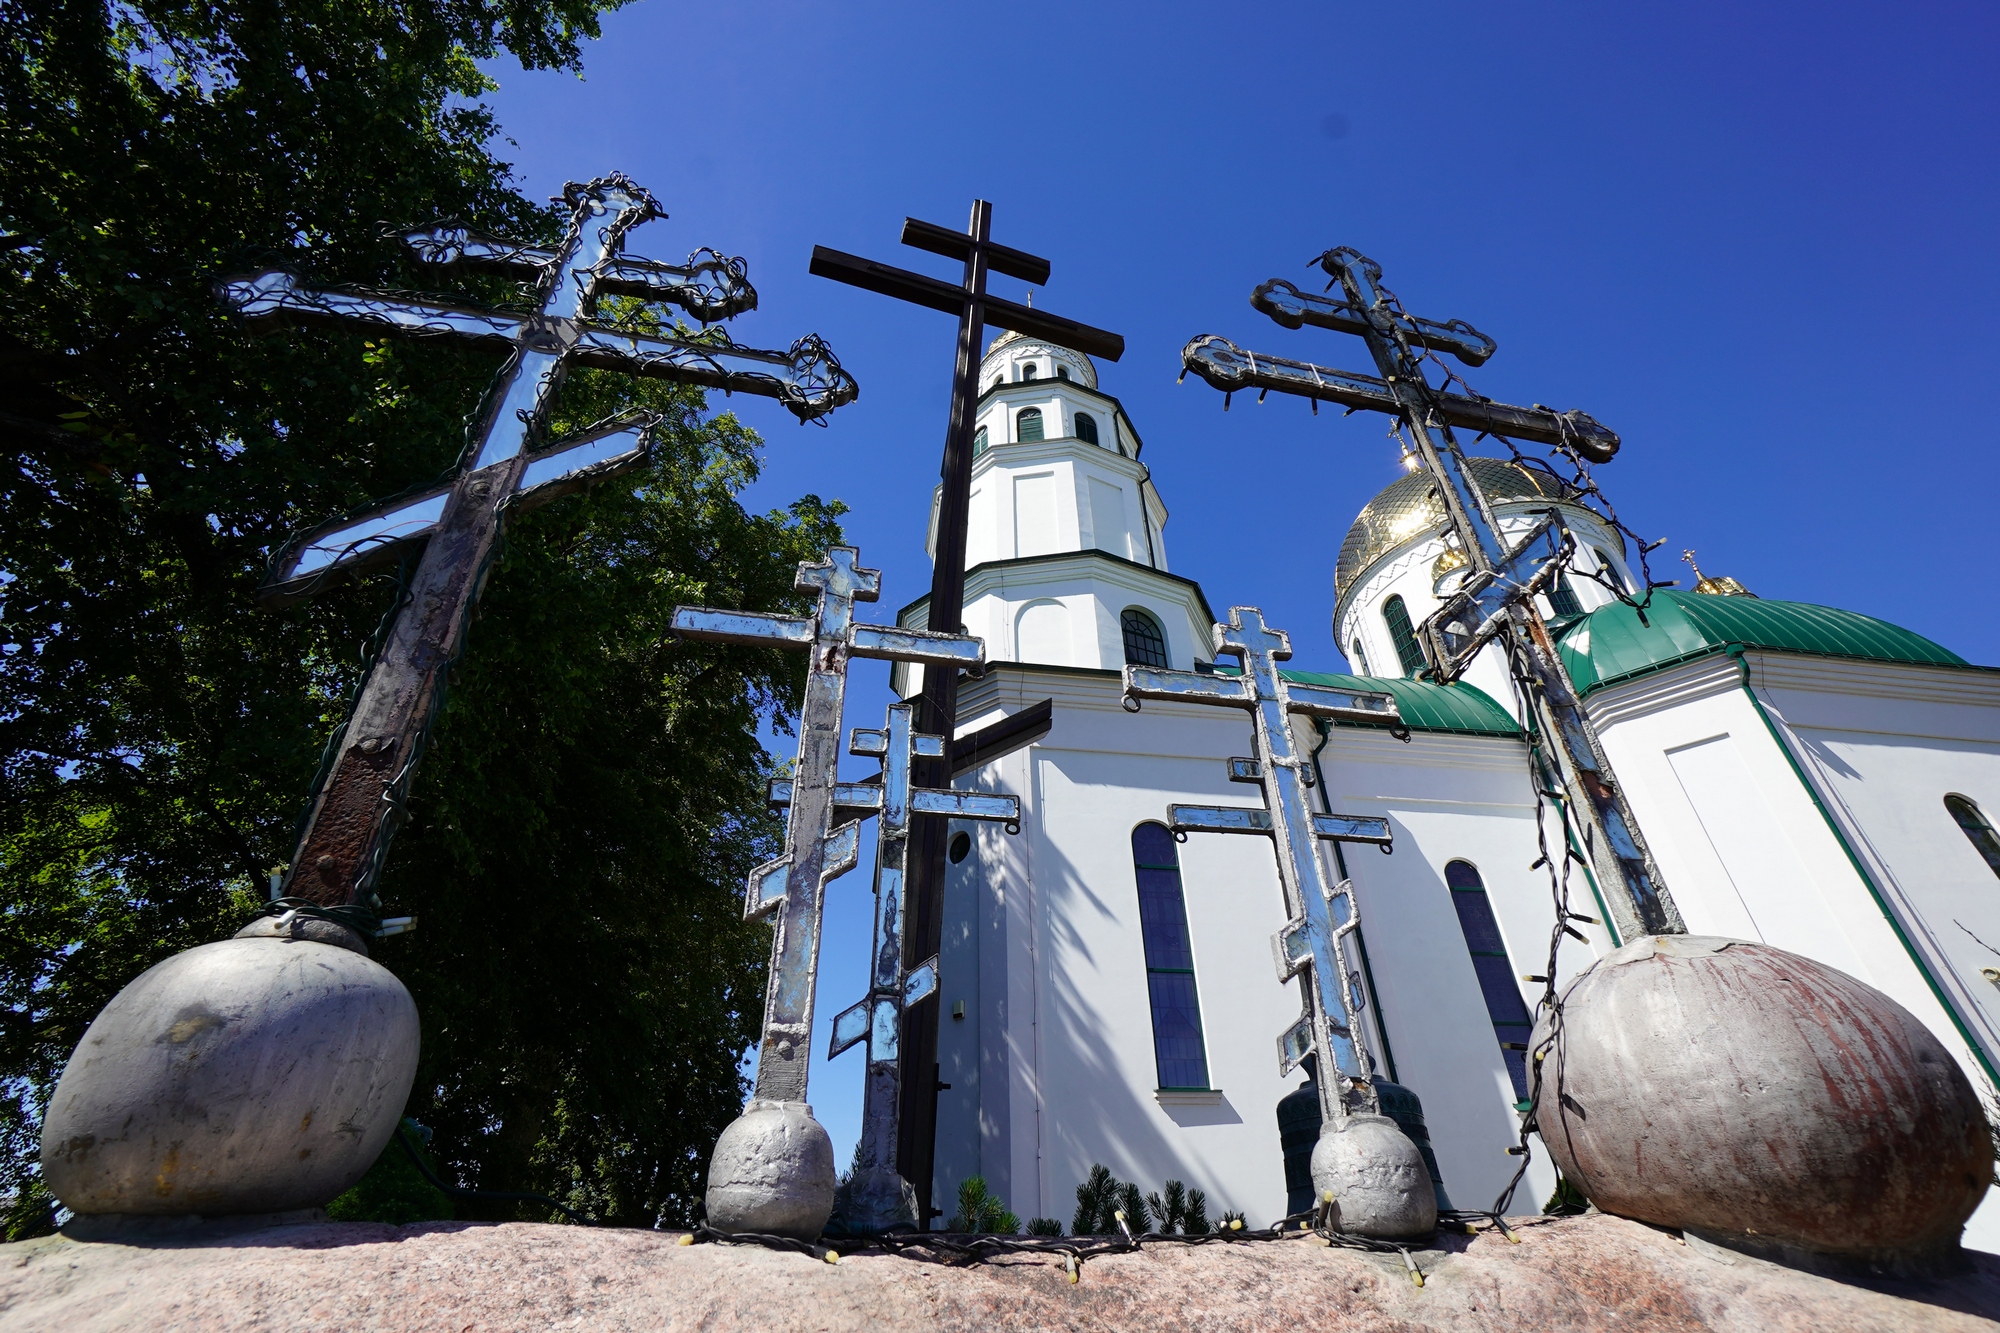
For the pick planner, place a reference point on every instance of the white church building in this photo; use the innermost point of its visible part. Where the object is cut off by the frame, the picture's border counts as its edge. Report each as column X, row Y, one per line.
column 1809, row 777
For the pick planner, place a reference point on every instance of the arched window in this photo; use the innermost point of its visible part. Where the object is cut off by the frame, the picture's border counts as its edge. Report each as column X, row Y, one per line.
column 1511, row 1024
column 1028, row 425
column 1144, row 644
column 1062, row 371
column 1357, row 658
column 1398, row 617
column 1973, row 821
column 1562, row 598
column 1178, row 1052
column 1028, row 372
column 979, row 442
column 1086, row 428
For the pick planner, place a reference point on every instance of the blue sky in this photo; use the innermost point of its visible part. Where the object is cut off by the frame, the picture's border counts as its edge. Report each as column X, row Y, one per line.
column 1755, row 240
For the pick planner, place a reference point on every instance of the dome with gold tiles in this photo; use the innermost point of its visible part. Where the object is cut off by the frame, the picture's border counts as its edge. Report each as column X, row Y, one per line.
column 1409, row 507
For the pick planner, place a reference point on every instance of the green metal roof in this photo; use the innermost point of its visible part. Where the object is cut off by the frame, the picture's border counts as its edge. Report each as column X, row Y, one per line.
column 1610, row 644
column 1460, row 709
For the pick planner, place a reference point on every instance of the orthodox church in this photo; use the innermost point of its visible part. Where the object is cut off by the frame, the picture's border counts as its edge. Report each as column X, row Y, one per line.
column 1809, row 777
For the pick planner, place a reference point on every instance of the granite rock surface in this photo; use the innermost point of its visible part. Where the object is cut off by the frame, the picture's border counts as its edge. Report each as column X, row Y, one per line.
column 1593, row 1272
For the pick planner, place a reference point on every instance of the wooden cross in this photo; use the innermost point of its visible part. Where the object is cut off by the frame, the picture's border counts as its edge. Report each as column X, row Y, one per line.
column 1313, row 941
column 975, row 308
column 358, row 804
column 792, row 889
column 1496, row 597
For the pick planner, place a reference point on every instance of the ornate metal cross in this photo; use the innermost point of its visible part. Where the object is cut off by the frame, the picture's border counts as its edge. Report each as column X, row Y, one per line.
column 358, row 803
column 1313, row 941
column 1496, row 600
column 878, row 1197
column 975, row 309
column 792, row 888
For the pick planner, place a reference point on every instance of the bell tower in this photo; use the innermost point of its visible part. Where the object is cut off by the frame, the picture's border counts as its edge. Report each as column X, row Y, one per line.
column 1066, row 561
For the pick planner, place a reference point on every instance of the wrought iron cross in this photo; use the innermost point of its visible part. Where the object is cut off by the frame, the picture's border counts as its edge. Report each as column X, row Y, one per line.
column 792, row 889
column 1496, row 599
column 358, row 804
column 975, row 308
column 1313, row 941
column 878, row 1018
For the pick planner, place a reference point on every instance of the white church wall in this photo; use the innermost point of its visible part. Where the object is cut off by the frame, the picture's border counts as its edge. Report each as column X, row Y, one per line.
column 1076, row 599
column 1884, row 744
column 1450, row 798
column 1060, row 1034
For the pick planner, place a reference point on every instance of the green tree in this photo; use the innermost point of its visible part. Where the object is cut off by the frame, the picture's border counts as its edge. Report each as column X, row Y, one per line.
column 592, row 796
column 980, row 1211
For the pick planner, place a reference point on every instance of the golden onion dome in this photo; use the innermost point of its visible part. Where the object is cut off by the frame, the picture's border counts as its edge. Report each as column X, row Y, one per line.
column 1409, row 507
column 1085, row 369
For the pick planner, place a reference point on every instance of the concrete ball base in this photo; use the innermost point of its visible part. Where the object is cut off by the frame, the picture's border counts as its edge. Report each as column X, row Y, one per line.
column 1761, row 1100
column 1377, row 1176
column 772, row 1172
column 252, row 1075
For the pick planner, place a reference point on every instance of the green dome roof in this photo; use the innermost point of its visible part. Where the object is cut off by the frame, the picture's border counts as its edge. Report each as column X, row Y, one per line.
column 1457, row 709
column 1610, row 644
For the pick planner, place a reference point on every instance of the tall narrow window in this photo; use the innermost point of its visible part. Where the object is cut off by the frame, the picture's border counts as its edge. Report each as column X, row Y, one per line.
column 1062, row 371
column 979, row 442
column 1511, row 1024
column 1086, row 428
column 1028, row 372
column 1562, row 598
column 1357, row 658
column 1178, row 1052
column 1398, row 617
column 1028, row 426
column 1973, row 821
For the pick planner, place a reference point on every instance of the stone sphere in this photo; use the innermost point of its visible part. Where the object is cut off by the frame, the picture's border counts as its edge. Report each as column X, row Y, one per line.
column 772, row 1172
column 1377, row 1176
column 1760, row 1099
column 251, row 1075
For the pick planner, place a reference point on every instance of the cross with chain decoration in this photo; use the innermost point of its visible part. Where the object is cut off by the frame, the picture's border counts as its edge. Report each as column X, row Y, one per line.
column 878, row 1018
column 975, row 308
column 792, row 889
column 1313, row 941
column 358, row 803
column 1497, row 598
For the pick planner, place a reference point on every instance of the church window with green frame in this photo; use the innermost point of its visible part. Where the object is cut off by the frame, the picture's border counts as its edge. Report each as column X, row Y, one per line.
column 1086, row 428
column 1178, row 1049
column 1562, row 598
column 1397, row 617
column 1028, row 425
column 979, row 442
column 1504, row 1006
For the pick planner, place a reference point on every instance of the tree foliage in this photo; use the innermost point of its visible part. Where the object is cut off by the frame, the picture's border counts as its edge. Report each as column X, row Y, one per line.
column 592, row 796
column 980, row 1211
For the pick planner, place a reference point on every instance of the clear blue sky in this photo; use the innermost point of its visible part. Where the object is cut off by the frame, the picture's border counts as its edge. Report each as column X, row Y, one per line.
column 1757, row 241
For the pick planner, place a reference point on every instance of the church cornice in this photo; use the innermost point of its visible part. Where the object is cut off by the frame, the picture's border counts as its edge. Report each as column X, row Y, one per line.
column 1054, row 561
